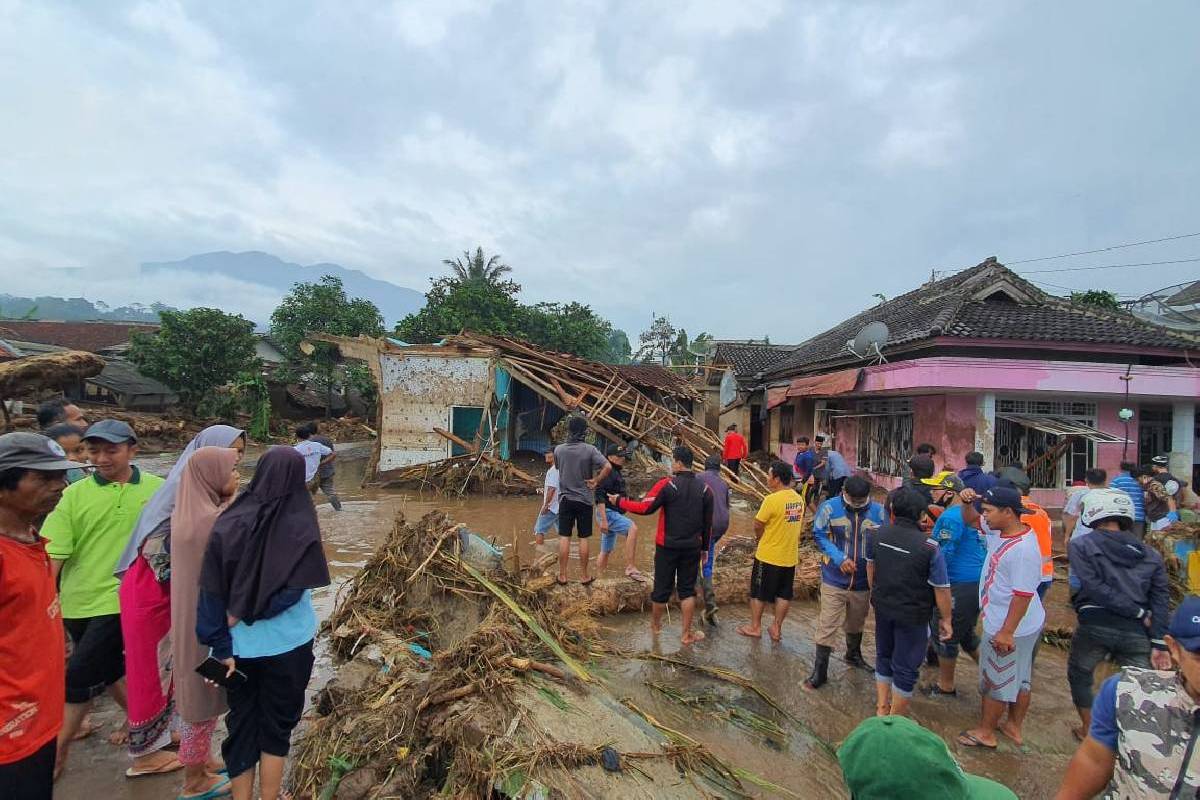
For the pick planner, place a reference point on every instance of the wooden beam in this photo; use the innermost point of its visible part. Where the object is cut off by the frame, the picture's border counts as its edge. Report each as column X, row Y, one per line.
column 463, row 443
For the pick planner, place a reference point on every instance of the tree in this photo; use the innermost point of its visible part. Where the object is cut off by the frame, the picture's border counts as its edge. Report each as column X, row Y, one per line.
column 475, row 269
column 452, row 306
column 568, row 328
column 619, row 349
column 322, row 307
column 658, row 341
column 196, row 351
column 1096, row 297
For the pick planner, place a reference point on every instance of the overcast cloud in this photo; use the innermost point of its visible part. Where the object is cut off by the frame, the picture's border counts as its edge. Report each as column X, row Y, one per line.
column 750, row 168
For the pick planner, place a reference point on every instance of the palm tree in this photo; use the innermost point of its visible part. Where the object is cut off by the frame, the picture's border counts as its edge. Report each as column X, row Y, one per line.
column 474, row 269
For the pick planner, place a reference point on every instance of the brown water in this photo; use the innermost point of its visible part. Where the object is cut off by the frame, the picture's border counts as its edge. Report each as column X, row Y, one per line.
column 824, row 718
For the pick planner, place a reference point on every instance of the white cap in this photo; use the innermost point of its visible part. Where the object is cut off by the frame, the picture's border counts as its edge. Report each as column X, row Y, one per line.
column 1101, row 504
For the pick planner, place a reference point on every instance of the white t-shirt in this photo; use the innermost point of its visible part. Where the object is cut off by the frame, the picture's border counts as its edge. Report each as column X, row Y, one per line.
column 552, row 483
column 313, row 452
column 1074, row 508
column 1013, row 566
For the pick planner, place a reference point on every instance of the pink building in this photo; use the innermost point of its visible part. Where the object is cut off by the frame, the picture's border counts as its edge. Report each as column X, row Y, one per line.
column 984, row 360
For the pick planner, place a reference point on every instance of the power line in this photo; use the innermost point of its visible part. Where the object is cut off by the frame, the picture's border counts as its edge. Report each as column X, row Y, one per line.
column 1106, row 249
column 1108, row 266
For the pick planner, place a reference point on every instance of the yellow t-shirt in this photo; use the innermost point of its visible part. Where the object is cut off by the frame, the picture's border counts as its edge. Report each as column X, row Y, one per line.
column 782, row 513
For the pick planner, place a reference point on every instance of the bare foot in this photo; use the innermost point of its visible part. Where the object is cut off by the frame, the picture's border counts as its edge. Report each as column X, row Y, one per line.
column 1011, row 732
column 691, row 637
column 655, row 630
column 60, row 761
column 120, row 736
column 751, row 631
column 86, row 729
column 1078, row 732
column 775, row 633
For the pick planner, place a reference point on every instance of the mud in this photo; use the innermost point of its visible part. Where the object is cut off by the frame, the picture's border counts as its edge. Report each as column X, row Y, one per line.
column 823, row 718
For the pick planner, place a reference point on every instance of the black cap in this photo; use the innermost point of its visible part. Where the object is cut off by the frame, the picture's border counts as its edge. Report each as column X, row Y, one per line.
column 112, row 430
column 33, row 451
column 1005, row 497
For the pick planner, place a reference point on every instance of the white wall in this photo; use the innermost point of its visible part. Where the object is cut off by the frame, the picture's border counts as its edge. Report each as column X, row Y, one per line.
column 418, row 393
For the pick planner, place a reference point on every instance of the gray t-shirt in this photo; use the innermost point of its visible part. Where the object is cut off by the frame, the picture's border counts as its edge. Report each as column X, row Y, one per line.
column 577, row 462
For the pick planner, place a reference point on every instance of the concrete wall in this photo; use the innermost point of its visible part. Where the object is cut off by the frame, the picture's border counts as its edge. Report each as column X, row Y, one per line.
column 739, row 416
column 418, row 393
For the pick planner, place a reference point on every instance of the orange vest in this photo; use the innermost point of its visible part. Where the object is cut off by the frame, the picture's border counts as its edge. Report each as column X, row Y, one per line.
column 1039, row 521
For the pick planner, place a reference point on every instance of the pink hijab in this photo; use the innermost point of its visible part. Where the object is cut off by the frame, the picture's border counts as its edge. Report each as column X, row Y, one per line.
column 198, row 503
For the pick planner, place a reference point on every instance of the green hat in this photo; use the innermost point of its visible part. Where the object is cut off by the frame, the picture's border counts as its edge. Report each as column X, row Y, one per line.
column 890, row 757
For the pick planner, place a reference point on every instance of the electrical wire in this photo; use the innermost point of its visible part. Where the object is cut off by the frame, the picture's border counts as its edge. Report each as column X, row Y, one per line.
column 1106, row 249
column 1107, row 266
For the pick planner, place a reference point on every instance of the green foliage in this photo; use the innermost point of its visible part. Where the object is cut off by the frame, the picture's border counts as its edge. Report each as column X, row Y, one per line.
column 658, row 342
column 1096, row 297
column 196, row 351
column 321, row 307
column 254, row 398
column 453, row 305
column 619, row 349
column 473, row 268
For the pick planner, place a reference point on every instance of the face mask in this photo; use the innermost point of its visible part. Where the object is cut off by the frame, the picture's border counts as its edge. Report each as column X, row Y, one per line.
column 856, row 506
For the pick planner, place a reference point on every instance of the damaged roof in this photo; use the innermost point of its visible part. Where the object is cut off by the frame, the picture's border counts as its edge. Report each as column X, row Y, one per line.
column 91, row 337
column 652, row 376
column 988, row 301
column 123, row 378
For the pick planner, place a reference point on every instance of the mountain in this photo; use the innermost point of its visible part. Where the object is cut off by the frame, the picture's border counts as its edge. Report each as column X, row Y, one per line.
column 75, row 309
column 394, row 302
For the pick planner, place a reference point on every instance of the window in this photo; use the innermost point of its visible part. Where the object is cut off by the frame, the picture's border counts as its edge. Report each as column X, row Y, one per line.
column 885, row 432
column 1154, row 431
column 787, row 414
column 1050, row 461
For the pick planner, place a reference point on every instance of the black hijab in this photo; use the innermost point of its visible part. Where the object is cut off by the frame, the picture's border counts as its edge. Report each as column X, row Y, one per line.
column 266, row 541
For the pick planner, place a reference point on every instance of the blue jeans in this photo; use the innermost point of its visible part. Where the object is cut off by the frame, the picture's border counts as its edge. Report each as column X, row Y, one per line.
column 545, row 522
column 618, row 525
column 706, row 568
column 899, row 651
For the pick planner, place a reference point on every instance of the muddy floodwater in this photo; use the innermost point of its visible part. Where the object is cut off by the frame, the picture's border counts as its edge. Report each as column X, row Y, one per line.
column 801, row 760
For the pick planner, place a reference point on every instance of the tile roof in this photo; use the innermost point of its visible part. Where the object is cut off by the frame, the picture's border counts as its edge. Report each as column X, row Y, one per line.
column 89, row 336
column 750, row 358
column 988, row 301
column 652, row 376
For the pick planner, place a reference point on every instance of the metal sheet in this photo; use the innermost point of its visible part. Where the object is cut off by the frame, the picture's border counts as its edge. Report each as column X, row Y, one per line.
column 834, row 383
column 1059, row 426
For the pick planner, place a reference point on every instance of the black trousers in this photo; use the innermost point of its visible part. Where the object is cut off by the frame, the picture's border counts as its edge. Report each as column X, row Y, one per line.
column 31, row 778
column 265, row 709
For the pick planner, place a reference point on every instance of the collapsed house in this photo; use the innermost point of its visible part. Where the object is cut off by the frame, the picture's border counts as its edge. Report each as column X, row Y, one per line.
column 478, row 398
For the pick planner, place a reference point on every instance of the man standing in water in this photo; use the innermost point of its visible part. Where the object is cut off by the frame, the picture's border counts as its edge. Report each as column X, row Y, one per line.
column 87, row 531
column 684, row 530
column 32, row 671
column 777, row 527
column 721, row 495
column 581, row 467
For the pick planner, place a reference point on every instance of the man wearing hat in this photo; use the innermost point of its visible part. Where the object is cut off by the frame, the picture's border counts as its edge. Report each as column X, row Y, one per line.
column 893, row 757
column 1012, row 618
column 87, row 532
column 1160, row 470
column 612, row 522
column 1144, row 731
column 32, row 479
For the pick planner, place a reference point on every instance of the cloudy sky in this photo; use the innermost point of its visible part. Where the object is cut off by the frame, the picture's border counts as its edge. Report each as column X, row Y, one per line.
column 752, row 167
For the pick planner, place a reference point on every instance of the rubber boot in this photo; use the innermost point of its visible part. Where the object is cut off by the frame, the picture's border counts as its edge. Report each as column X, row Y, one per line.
column 820, row 673
column 854, row 656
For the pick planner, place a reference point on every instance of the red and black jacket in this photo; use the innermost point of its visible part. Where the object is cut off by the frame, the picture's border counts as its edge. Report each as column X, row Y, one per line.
column 687, row 511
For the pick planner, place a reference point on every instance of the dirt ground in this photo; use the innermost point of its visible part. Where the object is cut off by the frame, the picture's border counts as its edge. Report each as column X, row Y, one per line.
column 825, row 717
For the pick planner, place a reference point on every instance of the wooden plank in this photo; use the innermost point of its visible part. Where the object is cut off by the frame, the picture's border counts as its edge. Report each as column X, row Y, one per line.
column 463, row 443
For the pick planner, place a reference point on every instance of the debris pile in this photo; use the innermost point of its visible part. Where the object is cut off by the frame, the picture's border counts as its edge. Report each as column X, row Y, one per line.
column 1176, row 538
column 461, row 681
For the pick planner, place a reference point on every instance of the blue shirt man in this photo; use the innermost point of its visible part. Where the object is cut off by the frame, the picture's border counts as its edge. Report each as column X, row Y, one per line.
column 962, row 546
column 841, row 530
column 1130, row 486
column 974, row 477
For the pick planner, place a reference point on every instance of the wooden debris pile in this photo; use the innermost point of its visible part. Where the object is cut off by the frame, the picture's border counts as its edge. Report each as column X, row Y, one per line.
column 49, row 371
column 1168, row 542
column 476, row 471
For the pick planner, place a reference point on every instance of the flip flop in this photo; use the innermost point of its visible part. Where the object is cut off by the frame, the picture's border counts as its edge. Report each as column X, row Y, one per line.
column 937, row 691
column 634, row 574
column 744, row 631
column 561, row 582
column 222, row 789
column 174, row 765
column 588, row 582
column 972, row 741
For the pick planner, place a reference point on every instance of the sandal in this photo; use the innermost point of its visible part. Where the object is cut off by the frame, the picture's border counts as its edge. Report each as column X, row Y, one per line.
column 968, row 739
column 222, row 789
column 172, row 765
column 634, row 574
column 561, row 582
column 588, row 582
column 937, row 691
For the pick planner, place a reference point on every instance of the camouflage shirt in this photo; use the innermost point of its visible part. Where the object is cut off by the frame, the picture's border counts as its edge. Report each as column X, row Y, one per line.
column 1157, row 720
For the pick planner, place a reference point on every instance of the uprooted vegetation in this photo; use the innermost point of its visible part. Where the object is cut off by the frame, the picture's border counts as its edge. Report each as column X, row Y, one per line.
column 463, row 680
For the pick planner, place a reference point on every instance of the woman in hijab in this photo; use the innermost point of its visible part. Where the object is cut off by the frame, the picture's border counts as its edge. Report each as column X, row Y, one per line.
column 208, row 484
column 145, row 594
column 255, row 612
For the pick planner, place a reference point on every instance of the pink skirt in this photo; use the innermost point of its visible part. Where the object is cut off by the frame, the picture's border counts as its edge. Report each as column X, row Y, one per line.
column 146, row 626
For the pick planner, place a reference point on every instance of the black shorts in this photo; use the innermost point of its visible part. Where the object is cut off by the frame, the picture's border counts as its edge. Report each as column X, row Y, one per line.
column 769, row 583
column 575, row 516
column 964, row 616
column 265, row 709
column 97, row 656
column 674, row 570
column 31, row 778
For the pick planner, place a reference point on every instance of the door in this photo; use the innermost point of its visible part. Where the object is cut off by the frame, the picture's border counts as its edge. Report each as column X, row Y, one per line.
column 464, row 423
column 1154, row 432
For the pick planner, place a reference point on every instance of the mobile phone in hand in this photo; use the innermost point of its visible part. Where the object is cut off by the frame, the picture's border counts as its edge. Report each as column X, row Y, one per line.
column 216, row 671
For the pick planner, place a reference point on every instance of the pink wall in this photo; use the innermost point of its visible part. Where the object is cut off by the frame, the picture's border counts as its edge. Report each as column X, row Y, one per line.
column 1014, row 375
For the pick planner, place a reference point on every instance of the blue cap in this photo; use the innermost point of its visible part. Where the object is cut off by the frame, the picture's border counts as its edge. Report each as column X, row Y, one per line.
column 111, row 430
column 1005, row 497
column 1185, row 624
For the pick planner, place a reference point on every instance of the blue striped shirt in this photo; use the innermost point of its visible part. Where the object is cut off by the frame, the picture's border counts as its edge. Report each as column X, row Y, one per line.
column 1129, row 485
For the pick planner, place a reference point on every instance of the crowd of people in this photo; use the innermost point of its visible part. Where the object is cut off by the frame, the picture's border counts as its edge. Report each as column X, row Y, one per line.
column 942, row 556
column 182, row 598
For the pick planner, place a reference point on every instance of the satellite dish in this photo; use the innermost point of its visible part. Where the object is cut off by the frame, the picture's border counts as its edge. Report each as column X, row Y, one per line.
column 869, row 340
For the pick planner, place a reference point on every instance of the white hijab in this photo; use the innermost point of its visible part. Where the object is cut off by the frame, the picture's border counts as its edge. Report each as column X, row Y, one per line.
column 157, row 512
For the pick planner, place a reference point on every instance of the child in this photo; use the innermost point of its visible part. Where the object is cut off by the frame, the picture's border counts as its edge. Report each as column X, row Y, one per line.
column 548, row 516
column 316, row 458
column 70, row 439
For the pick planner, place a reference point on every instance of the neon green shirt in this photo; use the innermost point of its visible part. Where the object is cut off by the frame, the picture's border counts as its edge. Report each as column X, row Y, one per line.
column 87, row 530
